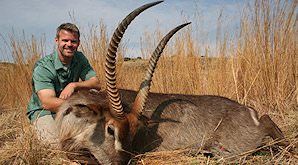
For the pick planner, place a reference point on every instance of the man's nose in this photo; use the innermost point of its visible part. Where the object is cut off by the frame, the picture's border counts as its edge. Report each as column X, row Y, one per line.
column 68, row 43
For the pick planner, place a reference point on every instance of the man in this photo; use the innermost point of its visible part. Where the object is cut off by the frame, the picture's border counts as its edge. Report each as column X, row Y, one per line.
column 55, row 78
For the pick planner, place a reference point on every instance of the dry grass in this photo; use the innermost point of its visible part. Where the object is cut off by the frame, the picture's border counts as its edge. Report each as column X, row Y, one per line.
column 257, row 66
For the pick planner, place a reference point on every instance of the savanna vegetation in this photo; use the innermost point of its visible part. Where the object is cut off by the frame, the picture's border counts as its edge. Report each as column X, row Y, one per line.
column 256, row 65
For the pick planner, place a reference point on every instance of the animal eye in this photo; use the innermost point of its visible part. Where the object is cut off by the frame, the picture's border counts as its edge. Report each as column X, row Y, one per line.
column 110, row 131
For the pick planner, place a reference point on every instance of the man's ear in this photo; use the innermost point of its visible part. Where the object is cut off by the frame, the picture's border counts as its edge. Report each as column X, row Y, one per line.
column 56, row 40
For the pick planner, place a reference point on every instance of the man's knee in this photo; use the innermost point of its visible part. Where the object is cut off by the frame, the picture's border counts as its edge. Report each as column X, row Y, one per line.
column 46, row 129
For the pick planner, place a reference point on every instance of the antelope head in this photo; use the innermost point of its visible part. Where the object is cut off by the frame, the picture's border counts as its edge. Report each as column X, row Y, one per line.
column 125, row 123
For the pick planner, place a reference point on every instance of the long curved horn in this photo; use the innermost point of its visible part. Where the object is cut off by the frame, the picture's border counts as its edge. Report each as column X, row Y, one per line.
column 141, row 97
column 110, row 67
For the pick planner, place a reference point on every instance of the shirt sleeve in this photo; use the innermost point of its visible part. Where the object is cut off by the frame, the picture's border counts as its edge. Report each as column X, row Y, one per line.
column 87, row 70
column 42, row 79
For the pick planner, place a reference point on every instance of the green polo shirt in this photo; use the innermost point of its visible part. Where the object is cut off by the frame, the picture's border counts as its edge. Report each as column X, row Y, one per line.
column 49, row 73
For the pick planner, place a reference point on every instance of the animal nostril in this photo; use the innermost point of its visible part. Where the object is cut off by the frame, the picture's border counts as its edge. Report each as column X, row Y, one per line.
column 110, row 131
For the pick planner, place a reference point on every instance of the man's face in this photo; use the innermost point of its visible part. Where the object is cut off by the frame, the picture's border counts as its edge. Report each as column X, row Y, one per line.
column 67, row 44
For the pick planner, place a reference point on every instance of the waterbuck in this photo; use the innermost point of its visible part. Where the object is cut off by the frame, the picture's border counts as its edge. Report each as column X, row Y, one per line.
column 114, row 124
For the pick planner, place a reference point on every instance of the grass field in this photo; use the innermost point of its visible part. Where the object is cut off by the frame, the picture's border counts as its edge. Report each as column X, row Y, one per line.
column 256, row 66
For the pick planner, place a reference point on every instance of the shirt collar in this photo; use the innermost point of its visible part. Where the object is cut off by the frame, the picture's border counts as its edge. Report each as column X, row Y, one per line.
column 58, row 64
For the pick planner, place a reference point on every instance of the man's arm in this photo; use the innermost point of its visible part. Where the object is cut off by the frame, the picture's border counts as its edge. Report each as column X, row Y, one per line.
column 49, row 100
column 92, row 83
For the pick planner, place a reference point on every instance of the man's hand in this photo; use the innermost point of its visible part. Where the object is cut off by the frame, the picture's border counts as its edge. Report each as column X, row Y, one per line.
column 67, row 91
column 92, row 83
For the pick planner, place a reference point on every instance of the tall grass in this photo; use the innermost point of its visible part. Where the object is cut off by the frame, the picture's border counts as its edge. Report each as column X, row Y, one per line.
column 17, row 77
column 256, row 66
column 267, row 55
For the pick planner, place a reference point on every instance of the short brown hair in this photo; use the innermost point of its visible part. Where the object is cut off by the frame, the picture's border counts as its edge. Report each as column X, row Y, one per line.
column 68, row 27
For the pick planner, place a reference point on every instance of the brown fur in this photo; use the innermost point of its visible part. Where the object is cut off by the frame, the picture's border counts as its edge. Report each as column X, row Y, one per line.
column 216, row 124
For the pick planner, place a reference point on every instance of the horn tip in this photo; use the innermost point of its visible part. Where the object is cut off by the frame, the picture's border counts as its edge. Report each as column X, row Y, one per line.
column 187, row 23
column 157, row 2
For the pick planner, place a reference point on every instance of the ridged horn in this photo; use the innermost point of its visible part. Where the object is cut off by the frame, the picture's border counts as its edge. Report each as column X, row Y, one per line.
column 110, row 64
column 141, row 97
